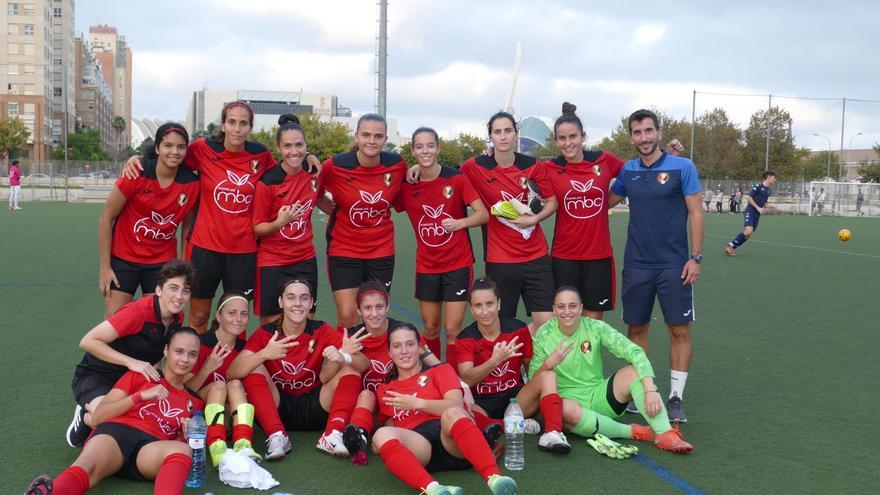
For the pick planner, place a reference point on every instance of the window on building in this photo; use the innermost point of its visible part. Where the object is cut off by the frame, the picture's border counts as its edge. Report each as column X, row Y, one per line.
column 29, row 9
column 28, row 89
column 56, row 91
column 30, row 109
column 13, row 8
column 12, row 109
column 12, row 48
column 56, row 61
column 12, row 29
column 12, row 69
column 56, row 12
column 14, row 89
column 91, row 105
column 28, row 30
column 28, row 48
column 28, row 69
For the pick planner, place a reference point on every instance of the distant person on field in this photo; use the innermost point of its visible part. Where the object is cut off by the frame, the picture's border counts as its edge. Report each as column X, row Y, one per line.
column 757, row 199
column 719, row 199
column 812, row 199
column 820, row 201
column 707, row 198
column 738, row 199
column 14, row 185
column 664, row 193
column 860, row 200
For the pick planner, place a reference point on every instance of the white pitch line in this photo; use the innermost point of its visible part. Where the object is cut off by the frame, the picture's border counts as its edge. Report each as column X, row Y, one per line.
column 811, row 248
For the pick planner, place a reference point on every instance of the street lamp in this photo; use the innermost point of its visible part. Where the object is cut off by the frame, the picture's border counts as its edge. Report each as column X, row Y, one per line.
column 828, row 167
column 849, row 148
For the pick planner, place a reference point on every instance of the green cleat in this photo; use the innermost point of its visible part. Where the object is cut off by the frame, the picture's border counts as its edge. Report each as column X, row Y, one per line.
column 438, row 489
column 502, row 485
column 217, row 450
column 245, row 444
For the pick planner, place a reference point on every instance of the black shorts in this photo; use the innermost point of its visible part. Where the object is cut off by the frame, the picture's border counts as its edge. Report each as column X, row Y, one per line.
column 86, row 387
column 350, row 273
column 533, row 280
column 271, row 278
column 303, row 412
column 449, row 286
column 594, row 280
column 616, row 406
column 441, row 459
column 130, row 441
column 133, row 275
column 236, row 271
column 496, row 404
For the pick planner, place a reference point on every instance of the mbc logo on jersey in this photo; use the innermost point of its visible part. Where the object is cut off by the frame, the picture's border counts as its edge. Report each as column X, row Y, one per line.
column 376, row 374
column 234, row 194
column 296, row 228
column 521, row 197
column 431, row 232
column 369, row 211
column 500, row 381
column 155, row 227
column 163, row 414
column 583, row 200
column 297, row 376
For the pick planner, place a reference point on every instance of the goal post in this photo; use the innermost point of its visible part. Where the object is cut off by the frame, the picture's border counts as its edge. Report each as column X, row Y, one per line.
column 848, row 199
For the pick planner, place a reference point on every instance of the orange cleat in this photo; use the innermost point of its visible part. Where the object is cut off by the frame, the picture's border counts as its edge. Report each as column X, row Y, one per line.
column 642, row 433
column 673, row 441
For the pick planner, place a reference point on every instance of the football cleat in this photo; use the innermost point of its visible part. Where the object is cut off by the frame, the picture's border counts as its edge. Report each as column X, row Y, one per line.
column 673, row 441
column 278, row 445
column 502, row 485
column 554, row 441
column 332, row 444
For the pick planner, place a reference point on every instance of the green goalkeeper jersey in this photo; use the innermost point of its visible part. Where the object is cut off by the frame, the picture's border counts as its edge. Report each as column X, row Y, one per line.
column 581, row 370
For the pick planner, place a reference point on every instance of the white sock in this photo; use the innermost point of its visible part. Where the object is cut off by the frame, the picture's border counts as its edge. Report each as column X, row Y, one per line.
column 677, row 380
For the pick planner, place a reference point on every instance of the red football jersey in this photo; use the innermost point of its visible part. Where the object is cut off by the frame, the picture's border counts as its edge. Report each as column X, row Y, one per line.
column 161, row 418
column 360, row 225
column 228, row 180
column 293, row 243
column 209, row 340
column 503, row 244
column 471, row 346
column 582, row 218
column 430, row 384
column 298, row 372
column 427, row 204
column 376, row 350
column 145, row 231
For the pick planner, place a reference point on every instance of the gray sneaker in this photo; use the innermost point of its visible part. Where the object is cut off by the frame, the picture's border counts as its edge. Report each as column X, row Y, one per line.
column 632, row 408
column 675, row 409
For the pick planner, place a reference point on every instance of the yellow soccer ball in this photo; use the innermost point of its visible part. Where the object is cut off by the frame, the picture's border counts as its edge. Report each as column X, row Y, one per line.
column 844, row 235
column 610, row 213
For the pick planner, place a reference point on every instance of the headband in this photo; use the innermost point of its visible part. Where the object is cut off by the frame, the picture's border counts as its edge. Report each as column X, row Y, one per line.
column 372, row 291
column 230, row 299
column 238, row 104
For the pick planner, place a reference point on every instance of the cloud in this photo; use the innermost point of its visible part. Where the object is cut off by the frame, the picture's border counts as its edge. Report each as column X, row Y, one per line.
column 649, row 34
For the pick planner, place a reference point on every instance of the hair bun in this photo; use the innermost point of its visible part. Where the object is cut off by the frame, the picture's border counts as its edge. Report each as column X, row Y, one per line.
column 568, row 108
column 288, row 118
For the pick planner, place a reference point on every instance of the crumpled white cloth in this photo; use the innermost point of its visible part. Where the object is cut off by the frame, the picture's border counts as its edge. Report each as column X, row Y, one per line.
column 239, row 470
column 524, row 232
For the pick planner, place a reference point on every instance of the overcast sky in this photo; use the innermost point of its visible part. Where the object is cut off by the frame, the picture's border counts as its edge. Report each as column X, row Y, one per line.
column 451, row 61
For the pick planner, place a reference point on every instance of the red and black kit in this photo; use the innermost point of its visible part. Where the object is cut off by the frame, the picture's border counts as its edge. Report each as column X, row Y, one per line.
column 208, row 341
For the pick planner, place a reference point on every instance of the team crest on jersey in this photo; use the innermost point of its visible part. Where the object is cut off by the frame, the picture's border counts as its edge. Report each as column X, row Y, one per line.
column 422, row 381
column 586, row 347
column 447, row 192
column 597, row 169
column 522, row 180
column 314, row 184
column 181, row 200
column 387, row 179
column 255, row 165
column 663, row 177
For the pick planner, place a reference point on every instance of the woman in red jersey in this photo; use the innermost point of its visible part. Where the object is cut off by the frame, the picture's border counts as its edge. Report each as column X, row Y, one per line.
column 137, row 232
column 491, row 355
column 437, row 207
column 132, row 339
column 302, row 359
column 283, row 204
column 140, row 425
column 354, row 399
column 223, row 244
column 220, row 346
column 429, row 429
column 360, row 234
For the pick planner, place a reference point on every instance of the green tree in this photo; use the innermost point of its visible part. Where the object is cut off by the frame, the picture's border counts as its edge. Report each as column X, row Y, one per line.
column 85, row 144
column 718, row 149
column 816, row 166
column 619, row 145
column 785, row 157
column 869, row 171
column 453, row 152
column 324, row 139
column 13, row 137
column 547, row 150
column 118, row 124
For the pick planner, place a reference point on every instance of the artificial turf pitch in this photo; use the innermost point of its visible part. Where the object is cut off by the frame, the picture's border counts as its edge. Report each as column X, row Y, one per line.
column 782, row 396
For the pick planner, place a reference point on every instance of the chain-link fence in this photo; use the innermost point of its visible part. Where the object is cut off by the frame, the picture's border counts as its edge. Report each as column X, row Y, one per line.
column 77, row 180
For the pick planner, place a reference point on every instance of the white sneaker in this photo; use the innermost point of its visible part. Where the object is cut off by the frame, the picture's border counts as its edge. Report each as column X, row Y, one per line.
column 531, row 427
column 332, row 444
column 277, row 446
column 554, row 441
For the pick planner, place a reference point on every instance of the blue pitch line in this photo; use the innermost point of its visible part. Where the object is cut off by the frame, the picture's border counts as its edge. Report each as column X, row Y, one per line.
column 665, row 475
column 409, row 315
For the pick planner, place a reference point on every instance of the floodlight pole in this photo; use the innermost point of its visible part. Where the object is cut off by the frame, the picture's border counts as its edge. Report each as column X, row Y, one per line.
column 693, row 123
column 828, row 166
column 849, row 147
column 767, row 147
column 842, row 123
column 383, row 58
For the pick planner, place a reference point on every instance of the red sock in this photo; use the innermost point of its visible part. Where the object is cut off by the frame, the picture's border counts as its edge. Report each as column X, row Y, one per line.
column 403, row 464
column 483, row 421
column 216, row 432
column 258, row 394
column 450, row 356
column 344, row 400
column 434, row 346
column 474, row 447
column 244, row 431
column 363, row 418
column 72, row 481
column 551, row 409
column 172, row 474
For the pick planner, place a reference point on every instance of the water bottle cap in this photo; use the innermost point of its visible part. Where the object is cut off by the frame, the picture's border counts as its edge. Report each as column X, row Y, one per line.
column 513, row 400
column 198, row 412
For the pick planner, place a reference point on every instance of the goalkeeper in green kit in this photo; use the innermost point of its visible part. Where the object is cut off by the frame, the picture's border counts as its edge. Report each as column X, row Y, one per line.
column 570, row 345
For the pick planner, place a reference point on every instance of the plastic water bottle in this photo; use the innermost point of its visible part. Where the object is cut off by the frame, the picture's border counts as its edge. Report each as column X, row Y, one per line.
column 196, row 432
column 514, row 457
